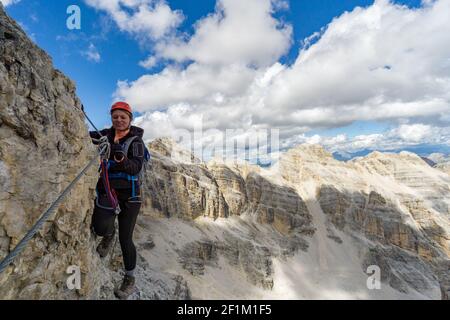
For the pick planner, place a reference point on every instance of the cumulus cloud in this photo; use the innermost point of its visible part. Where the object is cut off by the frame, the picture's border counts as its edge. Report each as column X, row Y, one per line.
column 228, row 60
column 148, row 63
column 237, row 32
column 414, row 133
column 398, row 137
column 152, row 19
column 197, row 84
column 92, row 54
column 385, row 62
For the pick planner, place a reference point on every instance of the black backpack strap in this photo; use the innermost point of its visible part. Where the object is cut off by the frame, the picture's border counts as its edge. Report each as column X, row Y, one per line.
column 127, row 144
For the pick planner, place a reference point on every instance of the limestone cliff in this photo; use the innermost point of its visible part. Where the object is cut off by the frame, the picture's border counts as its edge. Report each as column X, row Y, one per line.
column 44, row 144
column 395, row 205
column 445, row 166
column 231, row 220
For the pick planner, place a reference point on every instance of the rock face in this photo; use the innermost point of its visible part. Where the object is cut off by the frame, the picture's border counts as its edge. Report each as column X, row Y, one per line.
column 442, row 161
column 396, row 206
column 393, row 207
column 431, row 185
column 444, row 166
column 278, row 205
column 185, row 190
column 439, row 158
column 231, row 182
column 182, row 189
column 191, row 190
column 44, row 144
column 423, row 206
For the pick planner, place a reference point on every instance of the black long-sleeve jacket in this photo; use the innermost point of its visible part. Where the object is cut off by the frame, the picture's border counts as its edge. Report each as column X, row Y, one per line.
column 132, row 163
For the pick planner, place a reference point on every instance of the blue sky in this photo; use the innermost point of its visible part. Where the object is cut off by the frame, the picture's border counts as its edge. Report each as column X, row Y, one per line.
column 120, row 48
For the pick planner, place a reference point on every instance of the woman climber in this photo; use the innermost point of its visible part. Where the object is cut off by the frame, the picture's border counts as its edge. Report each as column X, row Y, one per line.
column 126, row 160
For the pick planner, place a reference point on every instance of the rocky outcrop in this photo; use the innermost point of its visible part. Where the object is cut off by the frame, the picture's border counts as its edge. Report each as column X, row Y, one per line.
column 278, row 205
column 43, row 145
column 442, row 161
column 252, row 259
column 180, row 189
column 396, row 206
column 444, row 166
column 232, row 184
column 377, row 218
column 256, row 262
column 429, row 183
column 391, row 226
column 439, row 157
column 191, row 190
column 400, row 269
column 432, row 227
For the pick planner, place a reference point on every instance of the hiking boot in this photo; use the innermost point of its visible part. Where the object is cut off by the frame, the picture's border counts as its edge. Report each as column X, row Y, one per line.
column 127, row 288
column 105, row 245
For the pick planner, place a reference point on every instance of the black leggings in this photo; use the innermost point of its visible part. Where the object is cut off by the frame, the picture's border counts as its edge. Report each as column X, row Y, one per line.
column 103, row 225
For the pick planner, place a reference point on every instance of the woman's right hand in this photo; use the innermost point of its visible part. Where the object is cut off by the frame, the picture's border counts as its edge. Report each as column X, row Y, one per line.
column 117, row 151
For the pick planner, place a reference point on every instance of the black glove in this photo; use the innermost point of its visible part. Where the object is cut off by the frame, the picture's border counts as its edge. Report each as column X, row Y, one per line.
column 117, row 152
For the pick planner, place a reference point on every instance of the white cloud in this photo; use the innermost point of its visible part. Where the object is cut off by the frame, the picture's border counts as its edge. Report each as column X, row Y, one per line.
column 281, row 4
column 427, row 2
column 399, row 137
column 383, row 62
column 415, row 132
column 152, row 19
column 148, row 63
column 92, row 54
column 197, row 84
column 242, row 32
column 8, row 2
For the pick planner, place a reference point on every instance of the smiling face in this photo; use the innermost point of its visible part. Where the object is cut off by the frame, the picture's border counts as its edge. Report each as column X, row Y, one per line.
column 120, row 120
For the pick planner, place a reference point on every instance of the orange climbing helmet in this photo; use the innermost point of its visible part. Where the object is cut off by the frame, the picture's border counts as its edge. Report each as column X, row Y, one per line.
column 122, row 106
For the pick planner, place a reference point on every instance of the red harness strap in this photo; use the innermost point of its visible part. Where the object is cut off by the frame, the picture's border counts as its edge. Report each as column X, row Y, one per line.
column 111, row 193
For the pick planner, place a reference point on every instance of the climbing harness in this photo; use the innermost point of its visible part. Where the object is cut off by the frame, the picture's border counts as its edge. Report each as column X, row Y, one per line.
column 139, row 178
column 110, row 193
column 104, row 149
